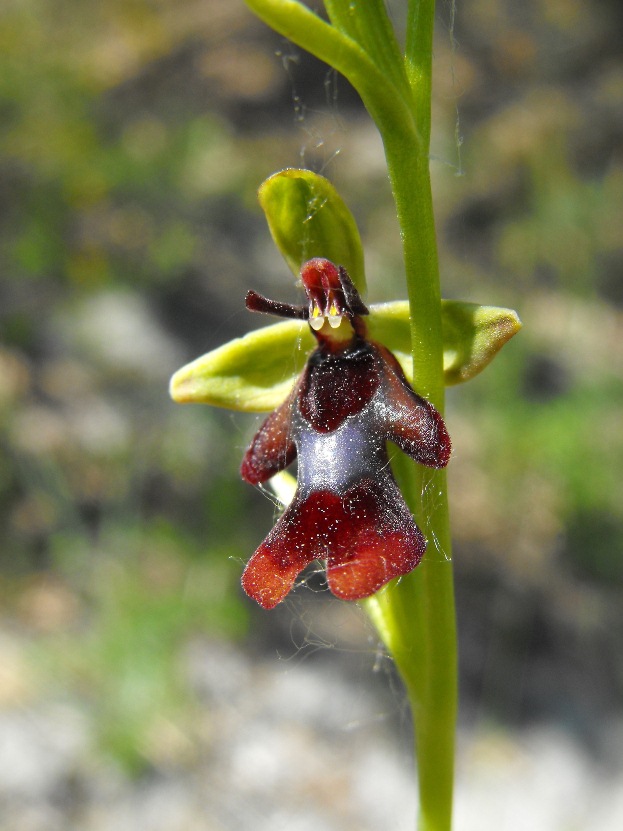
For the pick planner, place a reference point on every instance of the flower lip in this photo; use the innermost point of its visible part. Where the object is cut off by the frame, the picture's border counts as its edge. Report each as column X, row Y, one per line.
column 347, row 508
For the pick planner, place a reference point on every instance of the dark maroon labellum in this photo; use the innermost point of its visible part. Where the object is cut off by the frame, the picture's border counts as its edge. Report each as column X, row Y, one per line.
column 334, row 387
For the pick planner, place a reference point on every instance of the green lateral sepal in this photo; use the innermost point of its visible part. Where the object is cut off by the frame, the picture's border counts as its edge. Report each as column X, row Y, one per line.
column 256, row 372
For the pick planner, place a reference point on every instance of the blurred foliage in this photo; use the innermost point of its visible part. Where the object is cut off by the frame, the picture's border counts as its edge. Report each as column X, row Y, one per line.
column 110, row 172
column 143, row 608
column 103, row 169
column 133, row 136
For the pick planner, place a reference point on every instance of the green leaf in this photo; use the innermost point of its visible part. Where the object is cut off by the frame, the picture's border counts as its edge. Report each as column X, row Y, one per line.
column 371, row 29
column 308, row 218
column 385, row 101
column 255, row 373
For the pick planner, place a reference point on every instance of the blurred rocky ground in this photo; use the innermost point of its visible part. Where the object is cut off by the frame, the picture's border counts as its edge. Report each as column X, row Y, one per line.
column 305, row 740
column 137, row 685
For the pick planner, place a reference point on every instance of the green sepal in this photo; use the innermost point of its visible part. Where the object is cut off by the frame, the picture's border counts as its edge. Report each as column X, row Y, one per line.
column 252, row 374
column 472, row 335
column 308, row 218
column 255, row 373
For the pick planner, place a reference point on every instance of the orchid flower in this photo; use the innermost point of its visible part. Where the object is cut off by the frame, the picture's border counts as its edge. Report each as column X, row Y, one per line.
column 351, row 398
column 336, row 377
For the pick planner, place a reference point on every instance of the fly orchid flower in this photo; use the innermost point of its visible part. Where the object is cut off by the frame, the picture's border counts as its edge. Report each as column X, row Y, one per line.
column 338, row 395
column 351, row 398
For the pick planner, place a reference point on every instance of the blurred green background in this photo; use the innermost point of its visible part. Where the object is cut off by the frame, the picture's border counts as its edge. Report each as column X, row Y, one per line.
column 133, row 137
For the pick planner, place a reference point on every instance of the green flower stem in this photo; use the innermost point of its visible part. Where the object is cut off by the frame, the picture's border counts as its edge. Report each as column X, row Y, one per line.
column 414, row 616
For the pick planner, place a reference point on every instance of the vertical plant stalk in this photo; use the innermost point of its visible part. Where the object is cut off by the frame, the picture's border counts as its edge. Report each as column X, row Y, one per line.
column 415, row 616
column 432, row 677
